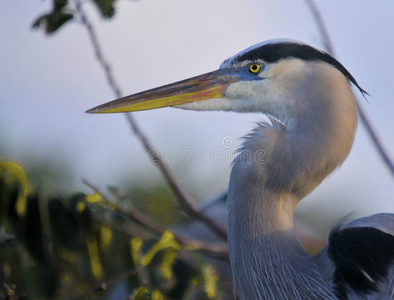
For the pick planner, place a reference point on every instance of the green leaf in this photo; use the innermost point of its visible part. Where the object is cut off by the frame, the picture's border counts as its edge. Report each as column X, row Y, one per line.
column 53, row 21
column 142, row 294
column 106, row 7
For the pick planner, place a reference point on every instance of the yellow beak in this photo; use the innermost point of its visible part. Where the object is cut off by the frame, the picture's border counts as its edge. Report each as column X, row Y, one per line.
column 207, row 86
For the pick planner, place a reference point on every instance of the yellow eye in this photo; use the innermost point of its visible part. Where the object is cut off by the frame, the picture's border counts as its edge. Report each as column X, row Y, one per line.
column 254, row 68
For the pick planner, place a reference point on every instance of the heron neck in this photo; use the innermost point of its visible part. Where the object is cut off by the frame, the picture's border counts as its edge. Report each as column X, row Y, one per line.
column 266, row 258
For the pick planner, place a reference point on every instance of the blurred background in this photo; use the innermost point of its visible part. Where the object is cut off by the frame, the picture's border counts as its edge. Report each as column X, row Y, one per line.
column 48, row 81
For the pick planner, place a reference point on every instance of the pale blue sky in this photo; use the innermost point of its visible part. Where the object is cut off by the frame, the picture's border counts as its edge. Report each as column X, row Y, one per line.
column 47, row 83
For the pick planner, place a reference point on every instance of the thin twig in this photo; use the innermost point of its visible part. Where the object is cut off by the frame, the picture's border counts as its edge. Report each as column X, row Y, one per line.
column 104, row 285
column 322, row 27
column 139, row 218
column 213, row 250
column 97, row 49
column 217, row 250
column 375, row 139
column 363, row 116
column 184, row 201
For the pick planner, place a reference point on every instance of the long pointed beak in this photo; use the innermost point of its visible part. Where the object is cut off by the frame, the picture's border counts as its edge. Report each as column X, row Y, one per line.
column 207, row 86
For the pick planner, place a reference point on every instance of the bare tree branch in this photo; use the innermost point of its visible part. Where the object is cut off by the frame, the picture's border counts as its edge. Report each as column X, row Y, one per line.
column 184, row 200
column 322, row 27
column 363, row 116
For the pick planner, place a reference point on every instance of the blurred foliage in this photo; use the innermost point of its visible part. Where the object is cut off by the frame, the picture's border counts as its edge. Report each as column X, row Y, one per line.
column 63, row 11
column 60, row 14
column 57, row 247
column 158, row 203
column 50, row 172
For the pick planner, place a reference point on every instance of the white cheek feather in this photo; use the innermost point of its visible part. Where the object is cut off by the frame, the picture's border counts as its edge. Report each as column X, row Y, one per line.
column 239, row 97
column 261, row 96
column 251, row 93
column 216, row 104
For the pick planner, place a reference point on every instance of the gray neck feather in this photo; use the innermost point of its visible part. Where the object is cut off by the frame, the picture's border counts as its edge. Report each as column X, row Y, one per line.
column 267, row 260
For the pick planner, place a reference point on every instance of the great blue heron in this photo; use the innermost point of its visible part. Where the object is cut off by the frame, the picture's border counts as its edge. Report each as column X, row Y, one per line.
column 313, row 119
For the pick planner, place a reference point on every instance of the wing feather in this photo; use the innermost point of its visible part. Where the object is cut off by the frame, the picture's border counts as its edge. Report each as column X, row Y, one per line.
column 363, row 254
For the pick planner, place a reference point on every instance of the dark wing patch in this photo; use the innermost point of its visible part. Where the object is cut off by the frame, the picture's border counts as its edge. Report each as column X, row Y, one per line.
column 273, row 52
column 362, row 256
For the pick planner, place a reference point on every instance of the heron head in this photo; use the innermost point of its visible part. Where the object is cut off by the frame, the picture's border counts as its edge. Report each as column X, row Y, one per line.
column 271, row 77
